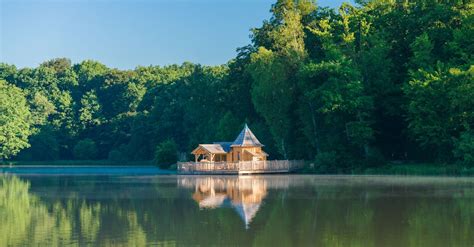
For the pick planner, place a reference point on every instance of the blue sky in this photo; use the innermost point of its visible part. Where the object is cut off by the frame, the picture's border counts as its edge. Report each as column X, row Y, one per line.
column 126, row 33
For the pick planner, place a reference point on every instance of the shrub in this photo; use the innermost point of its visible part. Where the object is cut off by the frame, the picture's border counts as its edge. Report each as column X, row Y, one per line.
column 166, row 154
column 116, row 155
column 464, row 148
column 173, row 167
column 375, row 158
column 44, row 146
column 326, row 162
column 85, row 150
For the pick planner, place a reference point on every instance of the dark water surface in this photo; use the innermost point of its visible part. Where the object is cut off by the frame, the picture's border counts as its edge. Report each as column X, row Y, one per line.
column 277, row 210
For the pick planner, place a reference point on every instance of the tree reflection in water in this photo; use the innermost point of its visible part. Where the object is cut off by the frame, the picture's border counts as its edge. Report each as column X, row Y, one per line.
column 27, row 221
column 228, row 210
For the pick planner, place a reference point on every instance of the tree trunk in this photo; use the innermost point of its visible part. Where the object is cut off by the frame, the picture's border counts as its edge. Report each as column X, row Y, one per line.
column 315, row 130
column 283, row 148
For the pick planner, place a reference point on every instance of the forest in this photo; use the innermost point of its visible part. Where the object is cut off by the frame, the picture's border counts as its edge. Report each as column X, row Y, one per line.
column 346, row 89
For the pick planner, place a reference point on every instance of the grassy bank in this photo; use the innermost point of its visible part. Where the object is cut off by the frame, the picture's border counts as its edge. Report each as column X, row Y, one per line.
column 78, row 163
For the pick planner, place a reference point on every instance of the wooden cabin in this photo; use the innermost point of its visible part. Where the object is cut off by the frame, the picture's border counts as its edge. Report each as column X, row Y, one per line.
column 246, row 147
column 242, row 156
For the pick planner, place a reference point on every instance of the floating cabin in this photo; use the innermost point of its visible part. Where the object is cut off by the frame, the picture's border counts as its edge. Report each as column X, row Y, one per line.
column 246, row 147
column 242, row 156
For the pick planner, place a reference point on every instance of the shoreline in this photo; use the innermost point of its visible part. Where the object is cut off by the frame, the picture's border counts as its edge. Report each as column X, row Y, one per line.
column 404, row 169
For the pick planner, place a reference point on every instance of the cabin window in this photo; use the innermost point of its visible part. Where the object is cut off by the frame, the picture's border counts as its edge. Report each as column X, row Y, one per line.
column 238, row 155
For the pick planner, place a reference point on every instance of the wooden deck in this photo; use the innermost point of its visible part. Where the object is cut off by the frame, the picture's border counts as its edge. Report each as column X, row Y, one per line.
column 243, row 167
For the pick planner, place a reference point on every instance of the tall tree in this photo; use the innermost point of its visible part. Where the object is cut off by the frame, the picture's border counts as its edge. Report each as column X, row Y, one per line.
column 440, row 108
column 273, row 68
column 15, row 120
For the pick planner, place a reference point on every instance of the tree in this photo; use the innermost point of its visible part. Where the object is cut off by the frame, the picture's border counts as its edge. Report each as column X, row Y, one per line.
column 89, row 74
column 90, row 112
column 273, row 94
column 44, row 145
column 85, row 149
column 117, row 155
column 340, row 110
column 464, row 148
column 440, row 108
column 166, row 154
column 376, row 66
column 228, row 127
column 281, row 51
column 15, row 120
column 41, row 109
column 7, row 72
column 422, row 48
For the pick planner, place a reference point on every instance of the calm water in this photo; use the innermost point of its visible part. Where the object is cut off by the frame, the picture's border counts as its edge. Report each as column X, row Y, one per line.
column 284, row 210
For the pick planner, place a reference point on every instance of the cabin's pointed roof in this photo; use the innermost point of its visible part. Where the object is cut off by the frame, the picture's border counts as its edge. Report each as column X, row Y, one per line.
column 246, row 211
column 246, row 139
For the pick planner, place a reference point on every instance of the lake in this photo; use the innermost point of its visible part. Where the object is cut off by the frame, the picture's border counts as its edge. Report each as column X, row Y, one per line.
column 130, row 207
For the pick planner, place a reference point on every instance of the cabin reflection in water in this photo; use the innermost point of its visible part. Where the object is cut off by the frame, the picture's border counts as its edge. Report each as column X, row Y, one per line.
column 245, row 194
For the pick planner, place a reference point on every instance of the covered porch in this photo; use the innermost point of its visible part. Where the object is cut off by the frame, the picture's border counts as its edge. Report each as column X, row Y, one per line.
column 209, row 153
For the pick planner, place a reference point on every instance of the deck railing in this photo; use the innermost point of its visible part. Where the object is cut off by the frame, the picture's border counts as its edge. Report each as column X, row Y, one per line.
column 266, row 166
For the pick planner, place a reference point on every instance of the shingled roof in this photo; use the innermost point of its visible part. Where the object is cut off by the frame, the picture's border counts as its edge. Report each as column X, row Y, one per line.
column 224, row 145
column 211, row 148
column 246, row 139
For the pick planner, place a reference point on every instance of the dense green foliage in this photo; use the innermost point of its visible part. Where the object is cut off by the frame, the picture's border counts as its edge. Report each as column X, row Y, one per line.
column 15, row 120
column 348, row 88
column 166, row 154
column 85, row 150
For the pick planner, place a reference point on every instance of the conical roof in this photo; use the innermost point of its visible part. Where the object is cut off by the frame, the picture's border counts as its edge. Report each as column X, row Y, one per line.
column 246, row 139
column 246, row 211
